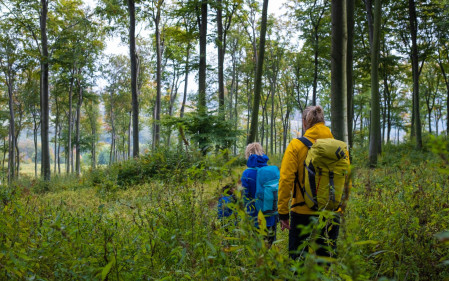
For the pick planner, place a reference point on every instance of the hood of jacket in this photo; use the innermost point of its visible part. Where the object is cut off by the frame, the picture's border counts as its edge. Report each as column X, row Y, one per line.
column 318, row 131
column 257, row 161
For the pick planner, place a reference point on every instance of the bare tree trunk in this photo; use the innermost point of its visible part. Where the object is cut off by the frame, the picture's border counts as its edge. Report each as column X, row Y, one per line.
column 133, row 58
column 45, row 162
column 259, row 71
column 349, row 66
column 186, row 79
column 56, row 134
column 202, row 64
column 59, row 149
column 78, row 118
column 375, row 99
column 35, row 144
column 220, row 58
column 273, row 91
column 235, row 113
column 157, row 19
column 12, row 141
column 415, row 70
column 338, row 71
column 129, row 135
column 69, row 137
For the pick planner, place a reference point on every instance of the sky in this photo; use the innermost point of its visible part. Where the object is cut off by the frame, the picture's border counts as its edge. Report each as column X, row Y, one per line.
column 115, row 46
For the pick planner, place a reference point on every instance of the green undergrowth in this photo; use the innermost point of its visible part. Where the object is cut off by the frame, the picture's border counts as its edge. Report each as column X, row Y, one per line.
column 155, row 219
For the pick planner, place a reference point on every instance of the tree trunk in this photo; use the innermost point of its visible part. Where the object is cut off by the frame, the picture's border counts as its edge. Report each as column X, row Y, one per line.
column 273, row 90
column 78, row 118
column 69, row 137
column 35, row 144
column 349, row 66
column 186, row 79
column 235, row 113
column 133, row 58
column 59, row 149
column 369, row 17
column 94, row 142
column 12, row 134
column 157, row 132
column 4, row 158
column 129, row 135
column 315, row 71
column 258, row 79
column 375, row 100
column 415, row 70
column 338, row 71
column 45, row 162
column 56, row 134
column 202, row 109
column 220, row 58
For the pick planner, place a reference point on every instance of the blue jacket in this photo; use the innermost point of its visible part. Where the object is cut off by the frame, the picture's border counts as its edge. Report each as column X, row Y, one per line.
column 249, row 184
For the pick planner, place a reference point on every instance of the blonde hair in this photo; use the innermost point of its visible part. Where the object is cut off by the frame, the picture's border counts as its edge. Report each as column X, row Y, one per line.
column 253, row 148
column 312, row 115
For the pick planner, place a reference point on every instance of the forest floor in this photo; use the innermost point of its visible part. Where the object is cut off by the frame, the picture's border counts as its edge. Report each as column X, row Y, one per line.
column 112, row 225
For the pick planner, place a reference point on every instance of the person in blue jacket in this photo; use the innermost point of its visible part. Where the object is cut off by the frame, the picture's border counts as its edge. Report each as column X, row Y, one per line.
column 256, row 158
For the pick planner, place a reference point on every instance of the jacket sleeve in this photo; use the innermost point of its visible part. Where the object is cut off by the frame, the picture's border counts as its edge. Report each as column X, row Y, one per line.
column 289, row 168
column 245, row 184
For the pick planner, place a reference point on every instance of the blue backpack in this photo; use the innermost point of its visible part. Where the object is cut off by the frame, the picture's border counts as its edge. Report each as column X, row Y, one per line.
column 267, row 186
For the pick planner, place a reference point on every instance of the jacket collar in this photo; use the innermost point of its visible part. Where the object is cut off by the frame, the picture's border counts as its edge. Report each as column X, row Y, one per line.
column 318, row 131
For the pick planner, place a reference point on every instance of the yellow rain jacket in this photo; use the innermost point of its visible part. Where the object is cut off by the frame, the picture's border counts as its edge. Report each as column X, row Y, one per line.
column 292, row 166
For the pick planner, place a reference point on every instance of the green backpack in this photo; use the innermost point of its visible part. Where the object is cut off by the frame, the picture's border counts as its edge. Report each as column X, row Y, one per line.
column 325, row 171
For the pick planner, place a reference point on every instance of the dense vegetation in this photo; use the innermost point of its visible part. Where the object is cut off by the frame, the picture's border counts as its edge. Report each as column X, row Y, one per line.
column 111, row 225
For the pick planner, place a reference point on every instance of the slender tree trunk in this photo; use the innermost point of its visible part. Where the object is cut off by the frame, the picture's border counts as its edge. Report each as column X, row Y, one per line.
column 375, row 99
column 446, row 82
column 12, row 130
column 235, row 113
column 315, row 71
column 133, row 58
column 56, row 134
column 349, row 66
column 94, row 142
column 338, row 71
column 4, row 158
column 59, row 149
column 129, row 135
column 186, row 79
column 157, row 19
column 69, row 133
column 78, row 118
column 259, row 70
column 202, row 64
column 35, row 144
column 415, row 70
column 369, row 17
column 388, row 98
column 202, row 103
column 273, row 90
column 45, row 162
column 220, row 58
column 248, row 105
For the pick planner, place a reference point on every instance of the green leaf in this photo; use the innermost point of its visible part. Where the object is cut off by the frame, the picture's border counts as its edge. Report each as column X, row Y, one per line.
column 262, row 223
column 366, row 242
column 106, row 269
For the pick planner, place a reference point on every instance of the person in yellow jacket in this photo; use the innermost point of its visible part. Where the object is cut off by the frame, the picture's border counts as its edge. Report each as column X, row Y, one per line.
column 292, row 173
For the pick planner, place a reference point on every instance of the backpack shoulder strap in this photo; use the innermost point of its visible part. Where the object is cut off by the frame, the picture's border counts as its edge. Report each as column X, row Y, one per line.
column 306, row 142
